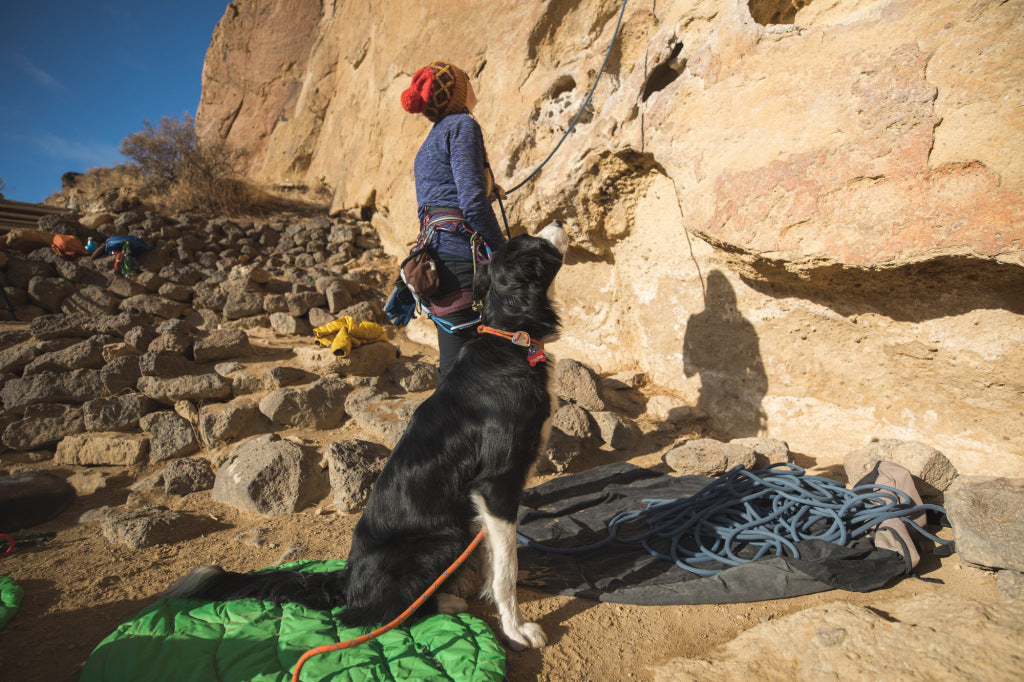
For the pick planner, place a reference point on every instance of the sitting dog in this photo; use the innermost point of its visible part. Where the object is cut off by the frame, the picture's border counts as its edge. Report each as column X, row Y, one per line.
column 462, row 463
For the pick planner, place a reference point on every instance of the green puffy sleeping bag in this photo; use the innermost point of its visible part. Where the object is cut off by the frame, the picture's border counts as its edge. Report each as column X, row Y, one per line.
column 10, row 599
column 250, row 640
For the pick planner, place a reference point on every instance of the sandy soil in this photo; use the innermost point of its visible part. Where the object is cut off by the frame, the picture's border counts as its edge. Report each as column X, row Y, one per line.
column 79, row 587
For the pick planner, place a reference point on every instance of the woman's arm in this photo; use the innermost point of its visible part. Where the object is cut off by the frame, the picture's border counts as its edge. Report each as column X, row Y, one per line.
column 466, row 151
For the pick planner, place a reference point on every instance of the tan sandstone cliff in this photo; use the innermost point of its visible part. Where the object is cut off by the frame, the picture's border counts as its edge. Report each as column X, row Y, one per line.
column 804, row 217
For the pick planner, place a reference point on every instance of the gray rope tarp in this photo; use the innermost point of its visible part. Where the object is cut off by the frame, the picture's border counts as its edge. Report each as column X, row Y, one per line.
column 574, row 511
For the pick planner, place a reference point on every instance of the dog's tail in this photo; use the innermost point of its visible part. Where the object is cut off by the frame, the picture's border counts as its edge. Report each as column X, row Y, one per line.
column 316, row 590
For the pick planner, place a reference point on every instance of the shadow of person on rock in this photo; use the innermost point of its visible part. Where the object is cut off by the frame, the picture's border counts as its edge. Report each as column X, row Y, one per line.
column 722, row 347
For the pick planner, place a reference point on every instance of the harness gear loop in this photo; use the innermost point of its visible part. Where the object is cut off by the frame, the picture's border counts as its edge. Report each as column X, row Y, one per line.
column 337, row 646
column 434, row 220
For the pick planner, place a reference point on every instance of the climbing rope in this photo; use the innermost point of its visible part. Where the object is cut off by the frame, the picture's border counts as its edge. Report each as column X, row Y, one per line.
column 582, row 108
column 745, row 515
column 337, row 646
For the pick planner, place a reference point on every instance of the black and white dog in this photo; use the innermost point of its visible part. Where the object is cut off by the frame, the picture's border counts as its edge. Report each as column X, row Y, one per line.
column 462, row 463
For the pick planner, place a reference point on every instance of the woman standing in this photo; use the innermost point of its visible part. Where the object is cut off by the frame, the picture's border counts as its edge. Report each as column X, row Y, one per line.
column 454, row 190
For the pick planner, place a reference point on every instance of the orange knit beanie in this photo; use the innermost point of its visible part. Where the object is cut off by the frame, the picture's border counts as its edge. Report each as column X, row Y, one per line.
column 437, row 90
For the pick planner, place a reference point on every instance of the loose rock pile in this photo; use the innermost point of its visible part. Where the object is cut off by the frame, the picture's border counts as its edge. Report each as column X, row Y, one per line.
column 170, row 365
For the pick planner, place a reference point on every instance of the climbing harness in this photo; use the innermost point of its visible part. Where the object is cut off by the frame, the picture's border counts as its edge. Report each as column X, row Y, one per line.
column 572, row 125
column 436, row 220
column 337, row 646
column 536, row 348
column 745, row 515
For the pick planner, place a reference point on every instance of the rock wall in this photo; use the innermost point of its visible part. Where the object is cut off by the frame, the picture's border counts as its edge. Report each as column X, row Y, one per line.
column 803, row 217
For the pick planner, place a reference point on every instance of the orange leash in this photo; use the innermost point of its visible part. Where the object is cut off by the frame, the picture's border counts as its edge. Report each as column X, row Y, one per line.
column 337, row 646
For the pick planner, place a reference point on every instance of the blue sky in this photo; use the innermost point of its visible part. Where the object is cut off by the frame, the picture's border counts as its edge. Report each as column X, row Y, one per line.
column 76, row 77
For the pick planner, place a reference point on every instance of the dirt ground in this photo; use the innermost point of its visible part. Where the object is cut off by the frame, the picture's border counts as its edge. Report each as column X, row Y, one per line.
column 79, row 587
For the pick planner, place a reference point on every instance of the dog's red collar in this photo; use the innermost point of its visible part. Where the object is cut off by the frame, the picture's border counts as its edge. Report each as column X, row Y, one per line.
column 523, row 339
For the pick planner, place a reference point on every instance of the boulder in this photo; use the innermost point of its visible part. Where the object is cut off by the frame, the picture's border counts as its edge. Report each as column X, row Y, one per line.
column 90, row 300
column 44, row 424
column 175, row 292
column 559, row 452
column 166, row 365
column 573, row 420
column 49, row 292
column 353, row 466
column 122, row 287
column 139, row 338
column 106, row 449
column 154, row 305
column 149, row 526
column 380, row 414
column 76, row 386
column 86, row 354
column 185, row 476
column 170, row 436
column 320, row 405
column 184, row 275
column 932, row 472
column 120, row 373
column 987, row 515
column 370, row 360
column 221, row 344
column 269, row 476
column 338, row 298
column 118, row 413
column 12, row 337
column 242, row 302
column 708, row 457
column 413, row 377
column 176, row 343
column 85, row 325
column 287, row 325
column 272, row 379
column 14, row 360
column 299, row 304
column 578, row 384
column 221, row 423
column 617, row 432
column 201, row 387
column 768, row 451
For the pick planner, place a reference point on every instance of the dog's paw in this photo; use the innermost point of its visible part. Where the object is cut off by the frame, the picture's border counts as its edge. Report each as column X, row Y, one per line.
column 526, row 636
column 450, row 604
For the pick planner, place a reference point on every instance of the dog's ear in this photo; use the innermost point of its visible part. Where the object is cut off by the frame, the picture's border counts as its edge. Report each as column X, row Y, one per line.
column 547, row 264
column 481, row 281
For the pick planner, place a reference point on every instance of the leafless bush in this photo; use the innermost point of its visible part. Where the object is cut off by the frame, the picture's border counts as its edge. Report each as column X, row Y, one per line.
column 182, row 173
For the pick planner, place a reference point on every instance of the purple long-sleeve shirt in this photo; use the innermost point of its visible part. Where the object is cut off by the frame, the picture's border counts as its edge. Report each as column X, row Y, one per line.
column 449, row 170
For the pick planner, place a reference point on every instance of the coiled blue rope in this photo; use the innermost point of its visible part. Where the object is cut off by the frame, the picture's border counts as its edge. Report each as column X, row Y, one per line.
column 755, row 513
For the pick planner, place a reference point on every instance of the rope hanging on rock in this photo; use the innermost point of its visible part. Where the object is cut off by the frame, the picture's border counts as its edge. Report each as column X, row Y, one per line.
column 572, row 125
column 584, row 105
column 746, row 515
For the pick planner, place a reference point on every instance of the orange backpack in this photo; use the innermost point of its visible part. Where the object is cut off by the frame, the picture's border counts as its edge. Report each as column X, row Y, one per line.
column 68, row 246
